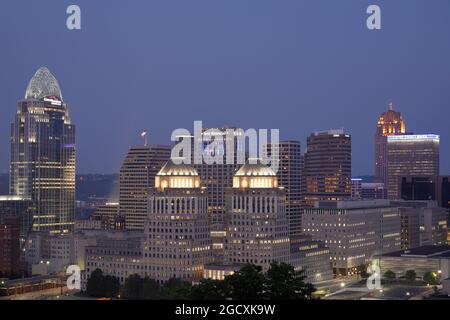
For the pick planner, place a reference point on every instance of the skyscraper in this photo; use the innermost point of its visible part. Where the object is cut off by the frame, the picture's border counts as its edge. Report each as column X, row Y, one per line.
column 177, row 235
column 136, row 177
column 389, row 123
column 43, row 154
column 258, row 228
column 327, row 168
column 289, row 177
column 410, row 156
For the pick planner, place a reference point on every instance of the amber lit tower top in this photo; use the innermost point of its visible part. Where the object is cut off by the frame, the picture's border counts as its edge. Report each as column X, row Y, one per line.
column 389, row 123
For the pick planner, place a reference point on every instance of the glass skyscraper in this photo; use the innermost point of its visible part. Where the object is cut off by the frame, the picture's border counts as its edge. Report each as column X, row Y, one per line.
column 43, row 154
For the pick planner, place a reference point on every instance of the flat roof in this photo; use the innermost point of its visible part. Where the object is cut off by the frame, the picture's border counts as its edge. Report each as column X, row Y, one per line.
column 429, row 251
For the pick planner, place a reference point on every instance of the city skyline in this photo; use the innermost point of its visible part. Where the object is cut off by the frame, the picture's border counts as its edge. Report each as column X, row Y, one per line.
column 305, row 70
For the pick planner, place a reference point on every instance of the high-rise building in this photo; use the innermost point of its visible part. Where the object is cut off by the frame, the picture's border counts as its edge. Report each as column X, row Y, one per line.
column 19, row 207
column 410, row 156
column 216, row 176
column 327, row 168
column 43, row 154
column 389, row 123
column 257, row 226
column 137, row 176
column 289, row 177
column 177, row 235
column 9, row 246
column 418, row 188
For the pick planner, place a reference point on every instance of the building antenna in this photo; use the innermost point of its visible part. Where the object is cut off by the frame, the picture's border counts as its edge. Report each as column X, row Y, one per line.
column 144, row 135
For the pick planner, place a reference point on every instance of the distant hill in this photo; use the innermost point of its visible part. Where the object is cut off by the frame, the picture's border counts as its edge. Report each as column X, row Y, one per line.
column 98, row 186
column 88, row 185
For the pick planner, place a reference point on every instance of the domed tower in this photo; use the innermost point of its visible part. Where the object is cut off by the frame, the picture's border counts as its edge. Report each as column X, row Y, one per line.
column 258, row 229
column 43, row 154
column 389, row 123
column 177, row 229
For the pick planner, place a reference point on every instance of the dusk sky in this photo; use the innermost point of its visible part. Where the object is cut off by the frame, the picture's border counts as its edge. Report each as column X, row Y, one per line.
column 295, row 65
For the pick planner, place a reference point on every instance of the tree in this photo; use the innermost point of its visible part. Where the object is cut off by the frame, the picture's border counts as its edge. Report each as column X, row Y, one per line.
column 151, row 290
column 247, row 284
column 102, row 286
column 209, row 289
column 283, row 282
column 111, row 286
column 362, row 271
column 430, row 278
column 389, row 275
column 176, row 289
column 94, row 284
column 132, row 288
column 410, row 275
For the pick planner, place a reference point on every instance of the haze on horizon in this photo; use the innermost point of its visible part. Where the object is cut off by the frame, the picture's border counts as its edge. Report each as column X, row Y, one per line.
column 299, row 65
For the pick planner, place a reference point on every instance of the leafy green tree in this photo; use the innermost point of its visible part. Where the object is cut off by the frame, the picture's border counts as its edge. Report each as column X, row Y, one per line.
column 176, row 289
column 430, row 278
column 151, row 290
column 247, row 284
column 209, row 289
column 132, row 288
column 389, row 275
column 283, row 282
column 410, row 275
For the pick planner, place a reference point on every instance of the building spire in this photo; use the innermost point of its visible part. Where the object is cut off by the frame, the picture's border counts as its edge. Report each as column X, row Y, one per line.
column 391, row 106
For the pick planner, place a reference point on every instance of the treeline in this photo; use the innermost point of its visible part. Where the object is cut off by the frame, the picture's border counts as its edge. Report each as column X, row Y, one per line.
column 280, row 282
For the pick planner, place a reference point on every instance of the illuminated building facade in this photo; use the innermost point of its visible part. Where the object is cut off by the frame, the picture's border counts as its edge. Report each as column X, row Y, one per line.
column 177, row 234
column 354, row 230
column 136, row 177
column 327, row 167
column 257, row 228
column 410, row 156
column 43, row 154
column 389, row 123
column 289, row 177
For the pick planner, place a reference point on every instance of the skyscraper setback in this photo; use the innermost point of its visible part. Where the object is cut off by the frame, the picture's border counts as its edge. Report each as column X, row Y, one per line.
column 389, row 123
column 43, row 154
column 327, row 167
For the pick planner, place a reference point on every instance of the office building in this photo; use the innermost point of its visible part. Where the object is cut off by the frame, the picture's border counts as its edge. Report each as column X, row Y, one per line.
column 177, row 234
column 9, row 246
column 354, row 231
column 257, row 226
column 108, row 215
column 43, row 154
column 410, row 156
column 327, row 167
column 289, row 177
column 20, row 207
column 389, row 123
column 137, row 176
column 419, row 188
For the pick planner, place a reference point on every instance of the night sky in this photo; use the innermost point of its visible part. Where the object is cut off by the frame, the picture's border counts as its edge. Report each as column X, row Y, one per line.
column 296, row 65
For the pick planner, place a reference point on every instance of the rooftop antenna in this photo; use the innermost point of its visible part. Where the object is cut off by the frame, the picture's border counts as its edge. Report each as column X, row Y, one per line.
column 144, row 135
column 391, row 106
